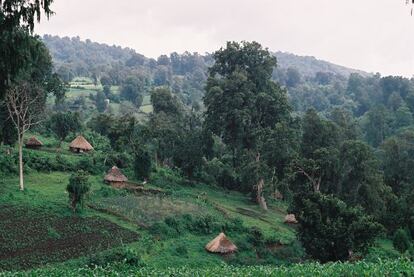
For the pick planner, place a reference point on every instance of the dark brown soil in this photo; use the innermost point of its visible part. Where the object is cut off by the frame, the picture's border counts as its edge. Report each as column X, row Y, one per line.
column 30, row 238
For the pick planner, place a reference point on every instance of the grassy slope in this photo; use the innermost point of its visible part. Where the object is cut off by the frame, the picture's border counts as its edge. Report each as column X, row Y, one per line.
column 84, row 87
column 46, row 191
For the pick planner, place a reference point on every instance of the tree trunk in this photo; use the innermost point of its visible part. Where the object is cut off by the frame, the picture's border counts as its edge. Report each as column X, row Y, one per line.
column 260, row 198
column 20, row 140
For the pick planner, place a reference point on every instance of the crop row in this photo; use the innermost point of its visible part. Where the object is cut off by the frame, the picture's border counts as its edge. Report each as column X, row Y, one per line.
column 400, row 267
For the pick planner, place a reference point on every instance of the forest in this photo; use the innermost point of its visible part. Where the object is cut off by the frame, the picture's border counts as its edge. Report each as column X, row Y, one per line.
column 115, row 163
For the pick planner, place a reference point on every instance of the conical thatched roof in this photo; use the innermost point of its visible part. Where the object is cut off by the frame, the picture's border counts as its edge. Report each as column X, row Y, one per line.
column 81, row 143
column 291, row 219
column 33, row 141
column 115, row 175
column 221, row 244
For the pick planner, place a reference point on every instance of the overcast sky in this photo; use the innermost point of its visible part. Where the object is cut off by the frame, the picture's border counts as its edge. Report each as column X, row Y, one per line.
column 372, row 35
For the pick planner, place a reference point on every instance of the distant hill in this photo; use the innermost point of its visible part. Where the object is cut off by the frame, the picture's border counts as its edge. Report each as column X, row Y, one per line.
column 308, row 66
column 67, row 51
column 310, row 82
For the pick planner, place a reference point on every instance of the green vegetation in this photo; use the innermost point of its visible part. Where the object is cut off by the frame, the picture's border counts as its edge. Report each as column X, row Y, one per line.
column 226, row 142
column 381, row 268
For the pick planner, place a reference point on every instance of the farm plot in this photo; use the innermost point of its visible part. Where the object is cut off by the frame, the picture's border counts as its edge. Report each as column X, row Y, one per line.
column 145, row 210
column 30, row 238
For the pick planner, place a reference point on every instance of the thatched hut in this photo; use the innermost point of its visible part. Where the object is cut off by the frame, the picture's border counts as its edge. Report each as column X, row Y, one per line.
column 115, row 178
column 222, row 245
column 33, row 143
column 290, row 219
column 80, row 145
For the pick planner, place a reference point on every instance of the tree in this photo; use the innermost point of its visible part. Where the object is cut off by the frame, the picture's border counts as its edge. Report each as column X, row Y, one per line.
column 242, row 104
column 24, row 103
column 23, row 12
column 162, row 100
column 376, row 127
column 329, row 230
column 132, row 89
column 62, row 124
column 23, row 59
column 106, row 81
column 77, row 188
column 17, row 19
column 398, row 162
column 401, row 241
column 56, row 86
column 100, row 101
column 361, row 181
column 292, row 77
column 142, row 163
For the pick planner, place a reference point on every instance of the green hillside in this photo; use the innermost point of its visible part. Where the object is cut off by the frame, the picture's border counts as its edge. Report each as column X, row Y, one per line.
column 168, row 228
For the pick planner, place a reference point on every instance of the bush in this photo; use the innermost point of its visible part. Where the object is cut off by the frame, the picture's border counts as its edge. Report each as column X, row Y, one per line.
column 8, row 164
column 220, row 174
column 121, row 160
column 142, row 164
column 77, row 188
column 181, row 250
column 123, row 255
column 163, row 230
column 401, row 240
column 172, row 227
column 167, row 178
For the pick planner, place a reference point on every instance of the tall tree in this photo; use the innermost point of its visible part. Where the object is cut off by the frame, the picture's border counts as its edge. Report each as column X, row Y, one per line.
column 62, row 124
column 24, row 103
column 243, row 105
column 329, row 230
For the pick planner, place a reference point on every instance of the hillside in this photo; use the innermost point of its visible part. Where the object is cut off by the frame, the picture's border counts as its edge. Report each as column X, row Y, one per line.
column 100, row 55
column 309, row 66
column 310, row 82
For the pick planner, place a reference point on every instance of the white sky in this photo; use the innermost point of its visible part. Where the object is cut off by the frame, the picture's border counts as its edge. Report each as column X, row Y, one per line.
column 372, row 35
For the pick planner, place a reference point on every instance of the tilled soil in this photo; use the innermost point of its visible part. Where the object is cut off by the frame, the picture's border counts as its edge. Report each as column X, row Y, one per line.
column 30, row 238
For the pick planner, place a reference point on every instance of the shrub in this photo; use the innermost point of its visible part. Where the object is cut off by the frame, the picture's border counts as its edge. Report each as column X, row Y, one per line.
column 8, row 164
column 221, row 174
column 163, row 230
column 401, row 240
column 142, row 164
column 124, row 255
column 167, row 178
column 78, row 186
column 181, row 250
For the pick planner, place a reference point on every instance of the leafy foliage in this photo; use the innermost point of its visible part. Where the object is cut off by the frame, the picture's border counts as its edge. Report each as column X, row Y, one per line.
column 77, row 188
column 331, row 231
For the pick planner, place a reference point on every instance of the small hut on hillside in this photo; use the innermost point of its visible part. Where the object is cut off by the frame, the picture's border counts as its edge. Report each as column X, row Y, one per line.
column 222, row 245
column 33, row 143
column 290, row 219
column 80, row 145
column 115, row 178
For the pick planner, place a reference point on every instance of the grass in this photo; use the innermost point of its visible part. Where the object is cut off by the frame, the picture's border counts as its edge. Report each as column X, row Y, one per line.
column 399, row 267
column 145, row 210
column 151, row 216
column 46, row 192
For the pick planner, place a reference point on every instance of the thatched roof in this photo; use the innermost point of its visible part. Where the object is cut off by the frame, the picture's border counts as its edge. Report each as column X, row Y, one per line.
column 221, row 244
column 81, row 143
column 115, row 175
column 291, row 219
column 33, row 141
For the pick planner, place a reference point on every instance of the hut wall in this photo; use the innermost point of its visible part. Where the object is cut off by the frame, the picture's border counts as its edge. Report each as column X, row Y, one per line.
column 118, row 185
column 33, row 146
